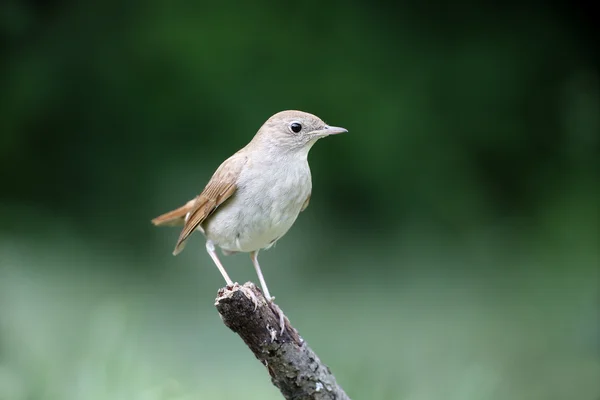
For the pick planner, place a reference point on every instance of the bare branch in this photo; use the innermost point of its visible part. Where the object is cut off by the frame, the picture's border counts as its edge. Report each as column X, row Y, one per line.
column 294, row 368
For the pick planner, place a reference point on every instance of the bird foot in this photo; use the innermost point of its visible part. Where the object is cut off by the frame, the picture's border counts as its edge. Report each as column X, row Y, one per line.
column 280, row 314
column 249, row 294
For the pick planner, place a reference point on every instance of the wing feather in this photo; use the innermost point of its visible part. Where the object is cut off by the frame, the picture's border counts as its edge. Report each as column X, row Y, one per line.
column 221, row 187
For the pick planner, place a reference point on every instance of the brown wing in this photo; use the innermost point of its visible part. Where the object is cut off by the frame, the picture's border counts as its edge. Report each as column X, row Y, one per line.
column 305, row 203
column 221, row 186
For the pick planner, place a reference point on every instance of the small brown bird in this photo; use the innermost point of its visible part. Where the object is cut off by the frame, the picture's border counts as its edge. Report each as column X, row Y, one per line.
column 255, row 196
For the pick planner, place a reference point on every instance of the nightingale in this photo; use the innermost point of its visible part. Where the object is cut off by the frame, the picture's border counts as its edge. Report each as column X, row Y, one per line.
column 255, row 196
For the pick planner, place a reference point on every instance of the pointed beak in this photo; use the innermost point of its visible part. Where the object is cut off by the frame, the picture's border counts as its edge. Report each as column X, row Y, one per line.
column 334, row 130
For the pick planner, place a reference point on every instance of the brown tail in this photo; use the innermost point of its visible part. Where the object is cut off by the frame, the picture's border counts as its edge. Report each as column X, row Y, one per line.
column 175, row 217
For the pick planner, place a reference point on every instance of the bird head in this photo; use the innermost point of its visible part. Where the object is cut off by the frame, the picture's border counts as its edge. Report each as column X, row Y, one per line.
column 294, row 131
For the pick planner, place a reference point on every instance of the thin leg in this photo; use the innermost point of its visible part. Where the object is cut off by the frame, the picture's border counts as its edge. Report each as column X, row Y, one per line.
column 261, row 278
column 210, row 247
column 263, row 284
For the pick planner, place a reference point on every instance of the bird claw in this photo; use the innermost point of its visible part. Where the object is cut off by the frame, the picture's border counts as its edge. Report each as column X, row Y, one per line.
column 250, row 294
column 281, row 322
column 281, row 316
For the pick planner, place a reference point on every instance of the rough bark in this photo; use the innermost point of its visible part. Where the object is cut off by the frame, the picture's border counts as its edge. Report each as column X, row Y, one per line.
column 294, row 368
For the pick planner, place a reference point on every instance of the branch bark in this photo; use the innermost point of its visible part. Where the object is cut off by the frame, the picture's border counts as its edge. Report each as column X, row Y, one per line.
column 294, row 368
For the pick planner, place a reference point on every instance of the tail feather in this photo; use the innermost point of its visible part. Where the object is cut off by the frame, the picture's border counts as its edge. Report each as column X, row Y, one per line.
column 175, row 217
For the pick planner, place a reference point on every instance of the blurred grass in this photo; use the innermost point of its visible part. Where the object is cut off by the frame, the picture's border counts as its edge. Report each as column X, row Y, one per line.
column 454, row 322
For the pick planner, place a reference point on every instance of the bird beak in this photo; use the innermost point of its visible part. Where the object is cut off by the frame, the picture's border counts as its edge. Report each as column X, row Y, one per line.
column 333, row 130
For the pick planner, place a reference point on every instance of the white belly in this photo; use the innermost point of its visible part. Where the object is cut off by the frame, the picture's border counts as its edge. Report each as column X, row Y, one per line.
column 263, row 208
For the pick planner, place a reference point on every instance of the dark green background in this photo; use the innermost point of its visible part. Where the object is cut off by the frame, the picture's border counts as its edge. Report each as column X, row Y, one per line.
column 451, row 248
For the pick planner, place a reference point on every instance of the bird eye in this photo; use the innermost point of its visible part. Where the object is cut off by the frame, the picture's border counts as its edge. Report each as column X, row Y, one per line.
column 295, row 127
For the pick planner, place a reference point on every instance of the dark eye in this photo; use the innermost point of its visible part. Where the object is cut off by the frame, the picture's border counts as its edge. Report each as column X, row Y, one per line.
column 296, row 127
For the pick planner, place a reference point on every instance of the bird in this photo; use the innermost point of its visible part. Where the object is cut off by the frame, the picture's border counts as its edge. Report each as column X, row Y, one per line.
column 255, row 196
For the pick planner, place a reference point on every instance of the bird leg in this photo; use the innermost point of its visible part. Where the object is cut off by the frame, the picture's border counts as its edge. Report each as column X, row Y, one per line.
column 210, row 248
column 261, row 278
column 263, row 285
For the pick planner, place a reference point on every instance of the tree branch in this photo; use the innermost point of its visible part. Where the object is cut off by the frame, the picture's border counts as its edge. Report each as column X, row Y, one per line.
column 294, row 368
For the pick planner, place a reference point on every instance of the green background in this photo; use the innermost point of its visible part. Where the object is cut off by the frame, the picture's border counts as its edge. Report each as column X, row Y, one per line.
column 452, row 246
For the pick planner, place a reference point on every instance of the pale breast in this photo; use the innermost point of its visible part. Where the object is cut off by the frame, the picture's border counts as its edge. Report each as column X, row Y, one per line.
column 266, row 204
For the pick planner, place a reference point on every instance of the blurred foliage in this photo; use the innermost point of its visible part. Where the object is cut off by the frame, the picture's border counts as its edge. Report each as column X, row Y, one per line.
column 451, row 248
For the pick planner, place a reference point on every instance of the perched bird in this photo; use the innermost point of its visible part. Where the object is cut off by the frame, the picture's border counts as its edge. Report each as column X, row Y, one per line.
column 255, row 195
